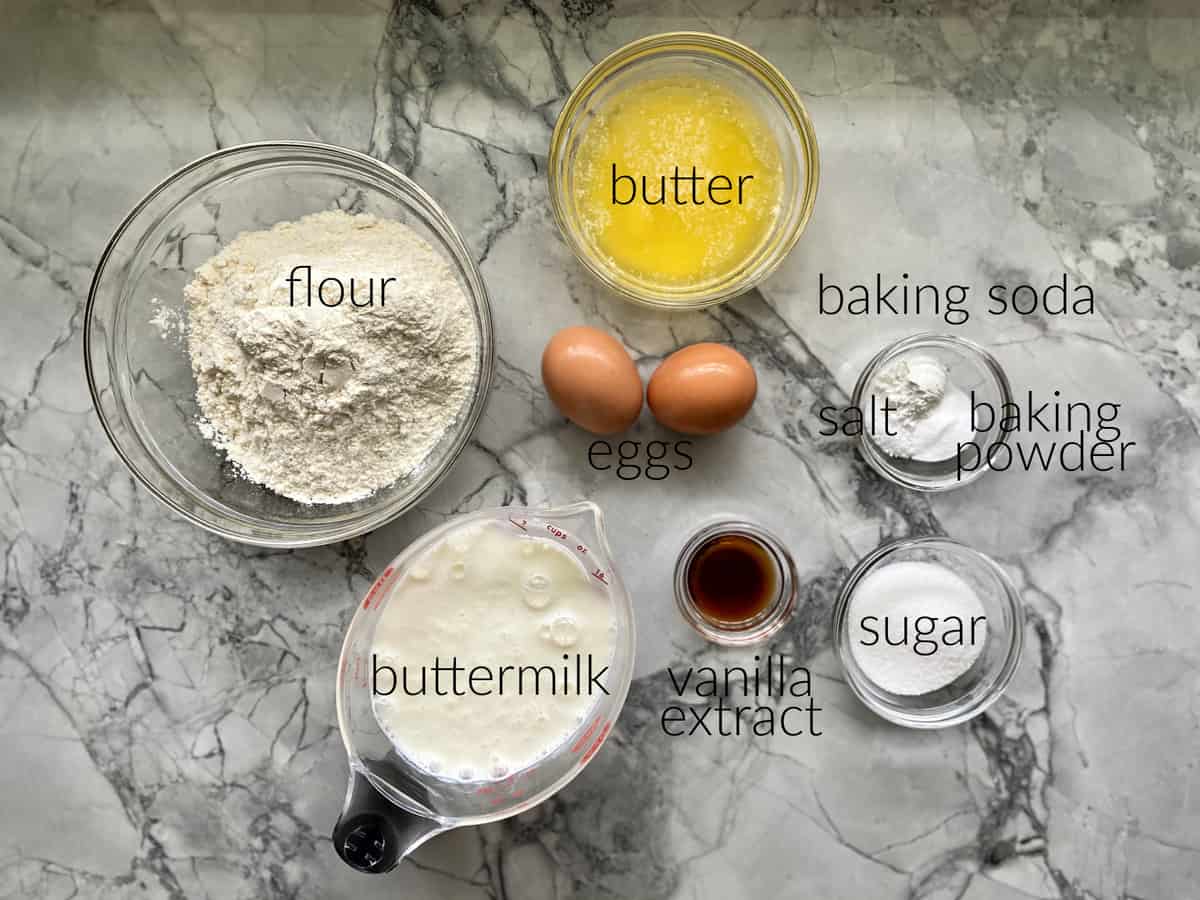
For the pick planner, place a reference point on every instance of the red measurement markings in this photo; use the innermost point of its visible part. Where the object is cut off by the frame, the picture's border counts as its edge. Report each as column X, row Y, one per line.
column 516, row 794
column 520, row 524
column 582, row 740
column 504, row 791
column 557, row 532
column 596, row 746
column 375, row 588
column 600, row 576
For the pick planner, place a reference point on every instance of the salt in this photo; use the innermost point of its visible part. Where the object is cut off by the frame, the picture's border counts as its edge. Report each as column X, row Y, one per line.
column 928, row 418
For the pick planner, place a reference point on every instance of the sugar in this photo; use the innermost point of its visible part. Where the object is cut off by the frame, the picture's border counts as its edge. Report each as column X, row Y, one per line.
column 915, row 627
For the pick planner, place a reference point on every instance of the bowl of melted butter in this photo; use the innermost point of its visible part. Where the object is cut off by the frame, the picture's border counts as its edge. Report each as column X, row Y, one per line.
column 683, row 169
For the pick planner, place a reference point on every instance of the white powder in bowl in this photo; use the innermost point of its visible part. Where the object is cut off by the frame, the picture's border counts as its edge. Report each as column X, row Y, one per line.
column 329, row 404
column 928, row 415
column 915, row 627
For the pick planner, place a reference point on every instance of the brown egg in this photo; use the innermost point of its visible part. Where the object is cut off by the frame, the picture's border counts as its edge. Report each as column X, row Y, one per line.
column 592, row 380
column 702, row 389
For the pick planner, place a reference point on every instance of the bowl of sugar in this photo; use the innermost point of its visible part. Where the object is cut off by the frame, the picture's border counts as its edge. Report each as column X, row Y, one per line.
column 928, row 631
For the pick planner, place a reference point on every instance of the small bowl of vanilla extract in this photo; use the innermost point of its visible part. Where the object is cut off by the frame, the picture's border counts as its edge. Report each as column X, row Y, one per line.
column 735, row 583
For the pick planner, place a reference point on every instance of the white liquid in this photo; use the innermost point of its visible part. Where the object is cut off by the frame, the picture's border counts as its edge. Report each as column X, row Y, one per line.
column 914, row 590
column 490, row 596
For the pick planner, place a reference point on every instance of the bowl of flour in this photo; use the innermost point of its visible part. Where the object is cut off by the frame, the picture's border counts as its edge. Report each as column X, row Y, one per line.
column 289, row 344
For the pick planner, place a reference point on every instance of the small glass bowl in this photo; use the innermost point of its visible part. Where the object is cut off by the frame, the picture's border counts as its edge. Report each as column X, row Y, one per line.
column 141, row 377
column 705, row 56
column 980, row 686
column 972, row 369
column 774, row 614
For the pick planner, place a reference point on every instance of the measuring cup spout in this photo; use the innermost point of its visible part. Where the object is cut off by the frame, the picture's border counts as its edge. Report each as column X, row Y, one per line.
column 585, row 521
column 373, row 834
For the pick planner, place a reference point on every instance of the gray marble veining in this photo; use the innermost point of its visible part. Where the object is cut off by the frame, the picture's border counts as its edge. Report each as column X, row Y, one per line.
column 166, row 698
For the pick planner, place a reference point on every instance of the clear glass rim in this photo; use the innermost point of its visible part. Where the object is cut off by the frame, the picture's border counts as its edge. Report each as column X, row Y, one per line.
column 765, row 624
column 878, row 460
column 233, row 524
column 948, row 714
column 768, row 258
column 620, row 688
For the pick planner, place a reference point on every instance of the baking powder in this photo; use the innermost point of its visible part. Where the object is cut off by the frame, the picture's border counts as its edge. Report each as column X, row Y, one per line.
column 929, row 417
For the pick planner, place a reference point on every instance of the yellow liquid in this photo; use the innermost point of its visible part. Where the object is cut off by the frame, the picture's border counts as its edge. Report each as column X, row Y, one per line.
column 648, row 129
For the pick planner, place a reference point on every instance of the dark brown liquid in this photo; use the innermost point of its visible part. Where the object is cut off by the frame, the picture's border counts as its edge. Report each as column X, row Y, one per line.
column 731, row 579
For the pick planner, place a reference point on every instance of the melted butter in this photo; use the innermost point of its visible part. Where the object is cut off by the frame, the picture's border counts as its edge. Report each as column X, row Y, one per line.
column 649, row 129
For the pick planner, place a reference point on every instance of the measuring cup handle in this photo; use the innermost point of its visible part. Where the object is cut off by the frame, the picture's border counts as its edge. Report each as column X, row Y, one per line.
column 373, row 834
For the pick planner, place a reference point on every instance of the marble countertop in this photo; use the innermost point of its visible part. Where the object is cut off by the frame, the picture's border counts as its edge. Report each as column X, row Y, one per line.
column 166, row 698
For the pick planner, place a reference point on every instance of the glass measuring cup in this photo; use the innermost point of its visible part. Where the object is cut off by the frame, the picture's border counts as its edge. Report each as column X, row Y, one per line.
column 392, row 806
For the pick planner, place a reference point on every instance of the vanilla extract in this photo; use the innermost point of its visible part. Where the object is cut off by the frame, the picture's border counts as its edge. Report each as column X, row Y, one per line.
column 776, row 679
column 732, row 579
column 719, row 713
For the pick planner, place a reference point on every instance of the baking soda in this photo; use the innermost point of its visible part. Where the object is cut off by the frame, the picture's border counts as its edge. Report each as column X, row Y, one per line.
column 928, row 418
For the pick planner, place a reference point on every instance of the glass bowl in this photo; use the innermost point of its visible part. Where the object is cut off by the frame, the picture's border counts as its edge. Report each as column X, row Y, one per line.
column 135, row 353
column 979, row 686
column 748, row 74
column 975, row 372
column 776, row 610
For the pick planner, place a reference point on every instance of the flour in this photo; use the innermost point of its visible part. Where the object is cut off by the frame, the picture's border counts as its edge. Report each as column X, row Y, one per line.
column 320, row 404
column 928, row 415
column 171, row 323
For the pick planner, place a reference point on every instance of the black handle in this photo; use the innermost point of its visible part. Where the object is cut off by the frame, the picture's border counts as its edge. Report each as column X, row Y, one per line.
column 373, row 834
